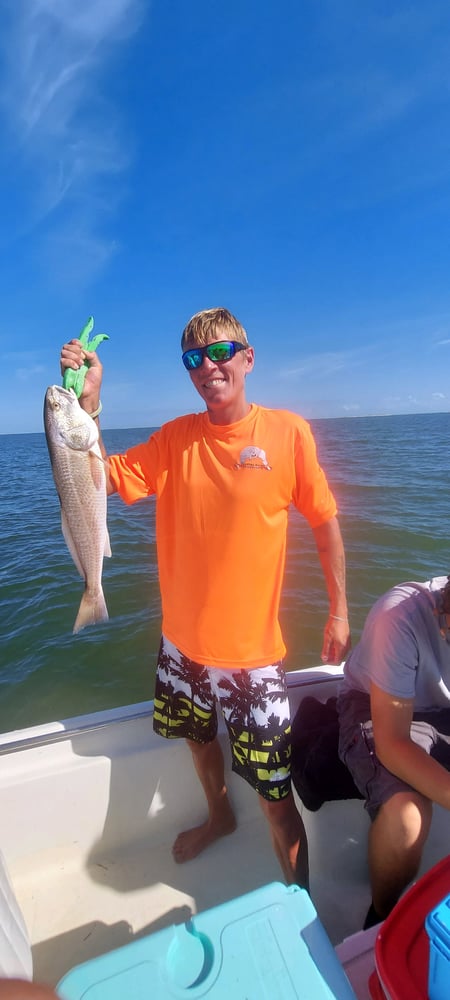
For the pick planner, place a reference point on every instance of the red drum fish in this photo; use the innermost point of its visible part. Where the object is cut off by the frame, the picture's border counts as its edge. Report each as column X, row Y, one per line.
column 80, row 478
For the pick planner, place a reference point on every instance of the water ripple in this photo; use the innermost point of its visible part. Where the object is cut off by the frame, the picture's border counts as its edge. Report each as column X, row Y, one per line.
column 392, row 482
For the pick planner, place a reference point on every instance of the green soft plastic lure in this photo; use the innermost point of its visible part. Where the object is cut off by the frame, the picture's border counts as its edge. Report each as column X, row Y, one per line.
column 74, row 379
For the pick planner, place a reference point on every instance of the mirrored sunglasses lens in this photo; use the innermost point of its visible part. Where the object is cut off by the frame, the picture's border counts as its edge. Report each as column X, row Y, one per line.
column 220, row 352
column 192, row 359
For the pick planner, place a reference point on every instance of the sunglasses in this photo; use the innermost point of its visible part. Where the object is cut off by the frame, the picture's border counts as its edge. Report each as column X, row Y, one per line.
column 222, row 350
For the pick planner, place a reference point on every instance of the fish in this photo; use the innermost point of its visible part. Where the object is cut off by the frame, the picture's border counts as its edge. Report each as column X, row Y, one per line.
column 80, row 478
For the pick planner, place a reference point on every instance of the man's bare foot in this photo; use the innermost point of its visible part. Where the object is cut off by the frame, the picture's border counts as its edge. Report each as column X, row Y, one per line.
column 189, row 843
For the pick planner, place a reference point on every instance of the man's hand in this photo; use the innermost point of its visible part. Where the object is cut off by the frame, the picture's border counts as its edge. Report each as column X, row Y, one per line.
column 336, row 641
column 74, row 355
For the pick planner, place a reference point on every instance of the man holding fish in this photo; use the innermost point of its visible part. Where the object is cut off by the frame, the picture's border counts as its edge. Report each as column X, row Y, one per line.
column 224, row 480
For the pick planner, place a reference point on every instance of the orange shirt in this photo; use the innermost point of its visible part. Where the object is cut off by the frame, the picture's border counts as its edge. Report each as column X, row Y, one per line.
column 223, row 494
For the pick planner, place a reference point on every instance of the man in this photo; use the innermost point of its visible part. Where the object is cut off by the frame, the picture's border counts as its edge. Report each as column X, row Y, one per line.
column 394, row 716
column 224, row 480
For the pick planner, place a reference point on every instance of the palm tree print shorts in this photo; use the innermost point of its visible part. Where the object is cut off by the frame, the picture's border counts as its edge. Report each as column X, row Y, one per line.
column 255, row 707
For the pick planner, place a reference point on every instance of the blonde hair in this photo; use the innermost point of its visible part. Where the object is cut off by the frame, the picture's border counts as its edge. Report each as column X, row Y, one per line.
column 209, row 323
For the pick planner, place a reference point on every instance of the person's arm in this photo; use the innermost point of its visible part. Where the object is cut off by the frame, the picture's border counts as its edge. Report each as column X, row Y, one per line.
column 391, row 719
column 73, row 355
column 330, row 547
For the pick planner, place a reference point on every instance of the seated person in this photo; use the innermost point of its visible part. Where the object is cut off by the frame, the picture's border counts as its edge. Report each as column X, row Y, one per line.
column 394, row 722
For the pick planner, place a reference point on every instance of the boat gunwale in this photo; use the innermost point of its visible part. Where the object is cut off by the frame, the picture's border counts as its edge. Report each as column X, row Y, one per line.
column 53, row 732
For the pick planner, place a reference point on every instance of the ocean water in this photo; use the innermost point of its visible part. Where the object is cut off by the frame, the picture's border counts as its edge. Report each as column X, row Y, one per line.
column 391, row 477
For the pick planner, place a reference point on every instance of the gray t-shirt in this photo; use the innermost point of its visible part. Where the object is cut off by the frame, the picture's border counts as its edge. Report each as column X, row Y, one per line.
column 401, row 648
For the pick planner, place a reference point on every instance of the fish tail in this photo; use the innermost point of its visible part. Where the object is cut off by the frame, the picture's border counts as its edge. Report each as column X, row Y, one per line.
column 92, row 609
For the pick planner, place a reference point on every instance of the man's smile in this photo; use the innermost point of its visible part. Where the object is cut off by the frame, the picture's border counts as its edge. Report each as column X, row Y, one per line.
column 213, row 382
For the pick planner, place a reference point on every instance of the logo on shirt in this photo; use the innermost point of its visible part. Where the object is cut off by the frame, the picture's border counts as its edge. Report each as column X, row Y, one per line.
column 253, row 458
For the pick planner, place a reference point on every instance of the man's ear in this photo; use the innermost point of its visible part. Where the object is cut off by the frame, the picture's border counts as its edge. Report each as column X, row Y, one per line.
column 249, row 359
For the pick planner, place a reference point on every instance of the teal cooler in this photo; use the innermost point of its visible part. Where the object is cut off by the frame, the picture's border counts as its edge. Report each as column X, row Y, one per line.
column 437, row 925
column 266, row 945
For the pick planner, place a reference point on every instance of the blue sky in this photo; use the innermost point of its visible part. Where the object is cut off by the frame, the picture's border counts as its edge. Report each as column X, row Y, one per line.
column 289, row 161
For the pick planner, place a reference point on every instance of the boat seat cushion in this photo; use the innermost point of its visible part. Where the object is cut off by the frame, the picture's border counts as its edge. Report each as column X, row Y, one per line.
column 15, row 949
column 318, row 774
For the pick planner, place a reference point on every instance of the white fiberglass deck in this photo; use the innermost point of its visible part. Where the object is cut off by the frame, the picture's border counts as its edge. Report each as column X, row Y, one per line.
column 76, row 907
column 87, row 827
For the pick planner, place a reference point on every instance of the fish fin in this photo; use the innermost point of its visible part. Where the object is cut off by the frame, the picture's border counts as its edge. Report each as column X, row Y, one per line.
column 96, row 453
column 91, row 610
column 70, row 542
column 107, row 549
column 96, row 465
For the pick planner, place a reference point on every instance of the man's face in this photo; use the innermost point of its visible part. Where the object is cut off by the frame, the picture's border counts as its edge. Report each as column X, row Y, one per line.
column 222, row 384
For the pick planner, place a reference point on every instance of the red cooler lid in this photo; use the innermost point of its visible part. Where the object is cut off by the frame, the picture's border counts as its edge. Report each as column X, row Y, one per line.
column 402, row 947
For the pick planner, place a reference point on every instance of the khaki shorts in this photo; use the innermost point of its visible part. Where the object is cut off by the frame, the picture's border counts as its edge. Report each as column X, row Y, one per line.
column 254, row 705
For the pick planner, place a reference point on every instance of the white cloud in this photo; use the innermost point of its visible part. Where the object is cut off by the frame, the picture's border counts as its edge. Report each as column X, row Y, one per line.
column 65, row 135
column 9, row 358
column 323, row 364
column 75, row 251
column 25, row 374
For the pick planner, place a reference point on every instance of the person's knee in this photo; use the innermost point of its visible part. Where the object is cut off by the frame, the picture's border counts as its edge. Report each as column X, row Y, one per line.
column 280, row 813
column 415, row 814
column 200, row 749
column 407, row 818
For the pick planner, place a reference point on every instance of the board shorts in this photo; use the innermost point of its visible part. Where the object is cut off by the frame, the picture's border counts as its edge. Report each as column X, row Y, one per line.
column 254, row 705
column 429, row 730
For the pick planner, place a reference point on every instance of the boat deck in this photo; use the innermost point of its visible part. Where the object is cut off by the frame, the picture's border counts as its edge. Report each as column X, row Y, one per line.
column 89, row 815
column 76, row 908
